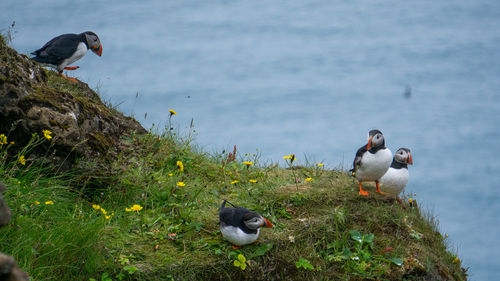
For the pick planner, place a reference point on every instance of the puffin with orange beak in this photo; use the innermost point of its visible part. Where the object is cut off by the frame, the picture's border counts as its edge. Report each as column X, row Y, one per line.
column 395, row 179
column 240, row 226
column 371, row 161
column 65, row 49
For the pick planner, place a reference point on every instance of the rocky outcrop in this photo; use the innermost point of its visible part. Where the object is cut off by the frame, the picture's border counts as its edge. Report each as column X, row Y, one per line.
column 33, row 99
column 9, row 271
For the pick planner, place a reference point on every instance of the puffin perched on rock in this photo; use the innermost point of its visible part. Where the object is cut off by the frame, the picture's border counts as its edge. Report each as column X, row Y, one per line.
column 65, row 49
column 240, row 226
column 394, row 180
column 372, row 161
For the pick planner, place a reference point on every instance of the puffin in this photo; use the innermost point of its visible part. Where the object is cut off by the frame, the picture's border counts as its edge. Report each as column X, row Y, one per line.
column 240, row 226
column 394, row 180
column 65, row 49
column 371, row 161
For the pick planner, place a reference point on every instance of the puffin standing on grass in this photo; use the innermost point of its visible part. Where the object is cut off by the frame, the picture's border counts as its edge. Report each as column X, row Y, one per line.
column 65, row 49
column 371, row 161
column 395, row 179
column 240, row 226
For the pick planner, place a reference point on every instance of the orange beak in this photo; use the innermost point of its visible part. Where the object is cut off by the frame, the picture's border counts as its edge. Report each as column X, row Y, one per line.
column 268, row 224
column 410, row 161
column 98, row 51
column 369, row 145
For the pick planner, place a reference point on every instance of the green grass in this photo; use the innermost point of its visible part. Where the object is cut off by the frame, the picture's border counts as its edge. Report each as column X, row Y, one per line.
column 312, row 237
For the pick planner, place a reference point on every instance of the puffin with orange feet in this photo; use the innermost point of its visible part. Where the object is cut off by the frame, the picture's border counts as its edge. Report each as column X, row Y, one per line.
column 65, row 49
column 372, row 161
column 240, row 226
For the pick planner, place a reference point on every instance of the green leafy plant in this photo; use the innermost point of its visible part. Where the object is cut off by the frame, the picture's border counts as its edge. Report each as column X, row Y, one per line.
column 305, row 264
column 241, row 262
column 361, row 259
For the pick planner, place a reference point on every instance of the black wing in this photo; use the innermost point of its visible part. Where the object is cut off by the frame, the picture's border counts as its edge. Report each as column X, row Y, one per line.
column 57, row 49
column 232, row 216
column 357, row 159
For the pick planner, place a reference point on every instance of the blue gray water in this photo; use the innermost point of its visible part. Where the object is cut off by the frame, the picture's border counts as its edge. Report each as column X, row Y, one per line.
column 311, row 78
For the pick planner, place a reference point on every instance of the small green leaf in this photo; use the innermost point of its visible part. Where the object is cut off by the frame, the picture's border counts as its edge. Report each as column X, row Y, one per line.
column 130, row 269
column 242, row 258
column 396, row 261
column 105, row 277
column 355, row 235
column 368, row 238
column 262, row 250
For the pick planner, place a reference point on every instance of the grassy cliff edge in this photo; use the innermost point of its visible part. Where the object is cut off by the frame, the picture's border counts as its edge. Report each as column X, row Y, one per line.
column 150, row 212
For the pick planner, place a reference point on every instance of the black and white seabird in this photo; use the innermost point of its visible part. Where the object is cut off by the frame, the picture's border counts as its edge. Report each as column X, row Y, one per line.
column 65, row 49
column 240, row 226
column 394, row 180
column 372, row 161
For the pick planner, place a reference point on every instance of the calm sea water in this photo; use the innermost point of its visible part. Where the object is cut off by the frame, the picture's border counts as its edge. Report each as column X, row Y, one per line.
column 311, row 78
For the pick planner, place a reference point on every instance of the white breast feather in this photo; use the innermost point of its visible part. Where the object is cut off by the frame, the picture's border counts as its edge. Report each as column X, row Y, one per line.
column 81, row 50
column 394, row 181
column 374, row 166
column 236, row 236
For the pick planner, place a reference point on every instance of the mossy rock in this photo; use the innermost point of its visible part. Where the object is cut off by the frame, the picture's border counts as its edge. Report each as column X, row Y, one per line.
column 33, row 99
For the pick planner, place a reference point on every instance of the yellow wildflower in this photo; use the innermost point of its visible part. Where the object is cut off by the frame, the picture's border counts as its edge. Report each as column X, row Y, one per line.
column 136, row 208
column 103, row 211
column 320, row 165
column 37, row 203
column 181, row 167
column 49, row 202
column 96, row 207
column 107, row 217
column 172, row 112
column 247, row 163
column 410, row 200
column 252, row 181
column 181, row 184
column 22, row 160
column 235, row 181
column 46, row 134
column 290, row 157
column 128, row 210
column 170, row 174
column 308, row 179
column 3, row 139
column 456, row 260
column 12, row 143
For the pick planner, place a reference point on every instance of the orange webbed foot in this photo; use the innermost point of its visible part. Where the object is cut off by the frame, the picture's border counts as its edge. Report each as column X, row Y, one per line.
column 71, row 79
column 378, row 188
column 236, row 247
column 71, row 67
column 361, row 191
